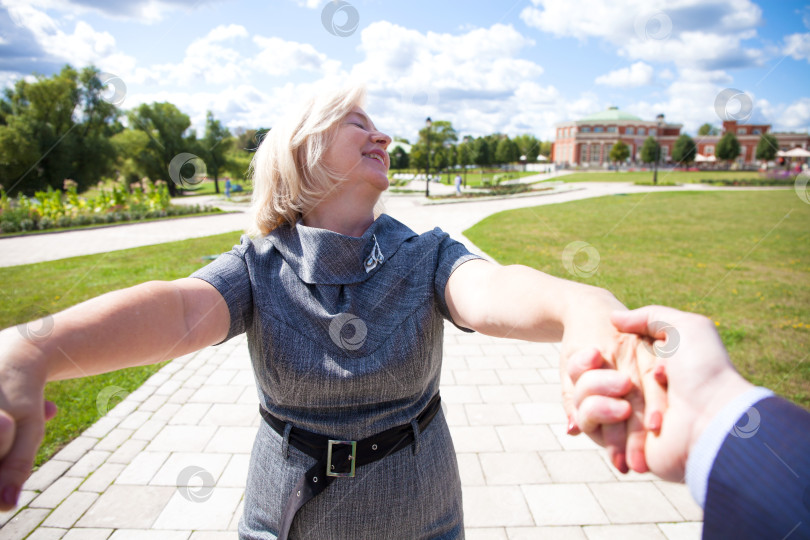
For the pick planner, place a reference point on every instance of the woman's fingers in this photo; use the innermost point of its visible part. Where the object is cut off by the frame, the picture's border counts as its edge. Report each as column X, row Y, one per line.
column 16, row 465
column 602, row 382
column 594, row 411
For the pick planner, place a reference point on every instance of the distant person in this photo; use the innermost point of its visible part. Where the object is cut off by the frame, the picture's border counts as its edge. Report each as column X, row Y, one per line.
column 744, row 453
column 458, row 184
column 227, row 188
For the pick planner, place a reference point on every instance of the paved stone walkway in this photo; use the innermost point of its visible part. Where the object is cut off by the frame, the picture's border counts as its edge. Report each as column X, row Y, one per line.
column 169, row 461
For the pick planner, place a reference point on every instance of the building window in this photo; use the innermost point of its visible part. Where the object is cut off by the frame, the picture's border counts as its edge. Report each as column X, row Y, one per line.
column 595, row 153
column 583, row 153
column 585, row 130
column 598, row 129
column 741, row 131
column 629, row 131
column 709, row 149
column 757, row 131
column 664, row 152
column 641, row 131
column 611, row 129
column 653, row 132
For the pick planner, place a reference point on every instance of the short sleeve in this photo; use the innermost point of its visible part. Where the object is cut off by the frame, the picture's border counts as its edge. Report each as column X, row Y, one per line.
column 229, row 274
column 452, row 254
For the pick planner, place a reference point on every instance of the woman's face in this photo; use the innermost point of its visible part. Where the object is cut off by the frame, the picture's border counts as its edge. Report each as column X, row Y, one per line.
column 358, row 152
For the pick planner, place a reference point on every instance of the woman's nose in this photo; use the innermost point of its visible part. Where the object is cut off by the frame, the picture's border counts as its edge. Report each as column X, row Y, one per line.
column 381, row 139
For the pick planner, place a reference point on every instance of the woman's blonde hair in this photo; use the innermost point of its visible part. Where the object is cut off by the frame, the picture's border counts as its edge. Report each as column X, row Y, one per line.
column 289, row 176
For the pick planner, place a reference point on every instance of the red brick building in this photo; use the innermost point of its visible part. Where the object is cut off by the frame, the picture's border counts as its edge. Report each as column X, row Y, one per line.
column 587, row 142
column 749, row 135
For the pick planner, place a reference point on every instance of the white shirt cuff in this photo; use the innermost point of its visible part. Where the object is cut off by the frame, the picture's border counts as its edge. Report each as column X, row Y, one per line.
column 701, row 458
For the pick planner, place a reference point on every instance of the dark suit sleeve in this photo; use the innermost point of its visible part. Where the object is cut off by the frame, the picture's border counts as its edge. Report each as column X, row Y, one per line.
column 759, row 485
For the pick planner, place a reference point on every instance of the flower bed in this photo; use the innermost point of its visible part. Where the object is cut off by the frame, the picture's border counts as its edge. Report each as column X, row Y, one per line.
column 53, row 209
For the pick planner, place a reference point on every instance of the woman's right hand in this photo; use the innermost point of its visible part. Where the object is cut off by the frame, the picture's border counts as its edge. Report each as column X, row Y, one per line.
column 22, row 413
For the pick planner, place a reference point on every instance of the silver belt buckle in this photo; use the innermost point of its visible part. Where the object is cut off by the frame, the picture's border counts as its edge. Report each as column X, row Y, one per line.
column 352, row 458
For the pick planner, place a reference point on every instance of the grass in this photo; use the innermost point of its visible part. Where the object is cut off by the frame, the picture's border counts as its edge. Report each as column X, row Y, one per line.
column 740, row 258
column 30, row 291
column 672, row 177
column 207, row 188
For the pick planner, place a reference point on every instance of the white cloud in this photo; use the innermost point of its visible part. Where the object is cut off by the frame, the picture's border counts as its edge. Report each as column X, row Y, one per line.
column 280, row 57
column 311, row 4
column 798, row 46
column 639, row 74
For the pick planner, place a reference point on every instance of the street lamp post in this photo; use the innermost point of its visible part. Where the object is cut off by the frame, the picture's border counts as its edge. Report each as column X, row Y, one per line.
column 660, row 120
column 428, row 123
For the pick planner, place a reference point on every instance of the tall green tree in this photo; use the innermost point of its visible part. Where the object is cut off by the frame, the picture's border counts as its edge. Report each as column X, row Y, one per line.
column 619, row 152
column 767, row 147
column 56, row 128
column 481, row 152
column 506, row 151
column 684, row 150
column 650, row 150
column 399, row 158
column 439, row 134
column 528, row 145
column 728, row 147
column 167, row 129
column 216, row 143
column 465, row 156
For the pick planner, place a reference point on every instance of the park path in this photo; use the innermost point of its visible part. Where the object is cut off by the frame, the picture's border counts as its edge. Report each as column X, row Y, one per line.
column 169, row 461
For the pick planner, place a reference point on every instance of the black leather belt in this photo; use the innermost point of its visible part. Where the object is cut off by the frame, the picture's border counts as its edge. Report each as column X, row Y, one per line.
column 339, row 458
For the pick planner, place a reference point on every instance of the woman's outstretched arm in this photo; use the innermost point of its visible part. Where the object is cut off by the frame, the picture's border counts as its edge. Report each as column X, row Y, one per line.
column 523, row 303
column 144, row 324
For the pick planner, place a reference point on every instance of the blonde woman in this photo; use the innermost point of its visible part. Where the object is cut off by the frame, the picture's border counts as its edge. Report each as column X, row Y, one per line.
column 344, row 312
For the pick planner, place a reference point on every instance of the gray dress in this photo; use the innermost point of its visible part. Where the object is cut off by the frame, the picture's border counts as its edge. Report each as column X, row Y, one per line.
column 348, row 353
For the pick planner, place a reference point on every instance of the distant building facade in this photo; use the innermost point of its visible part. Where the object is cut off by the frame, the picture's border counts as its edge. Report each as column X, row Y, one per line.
column 587, row 142
column 749, row 135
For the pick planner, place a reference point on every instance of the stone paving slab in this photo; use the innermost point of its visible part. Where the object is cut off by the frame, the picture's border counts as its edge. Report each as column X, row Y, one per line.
column 179, row 471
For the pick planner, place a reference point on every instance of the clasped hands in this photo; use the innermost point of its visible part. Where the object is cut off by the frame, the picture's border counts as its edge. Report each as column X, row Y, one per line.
column 650, row 397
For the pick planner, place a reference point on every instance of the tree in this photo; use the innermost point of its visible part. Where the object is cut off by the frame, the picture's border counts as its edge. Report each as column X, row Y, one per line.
column 728, row 147
column 166, row 127
column 399, row 158
column 441, row 133
column 55, row 128
column 528, row 146
column 650, row 150
column 767, row 147
column 707, row 129
column 619, row 152
column 465, row 156
column 684, row 150
column 506, row 151
column 481, row 152
column 215, row 143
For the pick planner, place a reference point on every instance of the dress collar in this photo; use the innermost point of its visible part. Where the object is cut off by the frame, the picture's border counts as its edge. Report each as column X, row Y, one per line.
column 321, row 256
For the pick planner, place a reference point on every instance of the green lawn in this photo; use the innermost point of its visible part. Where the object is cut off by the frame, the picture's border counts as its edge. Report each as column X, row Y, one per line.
column 740, row 258
column 676, row 177
column 33, row 290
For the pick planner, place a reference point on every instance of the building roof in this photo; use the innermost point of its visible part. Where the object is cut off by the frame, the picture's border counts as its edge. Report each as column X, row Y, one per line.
column 611, row 114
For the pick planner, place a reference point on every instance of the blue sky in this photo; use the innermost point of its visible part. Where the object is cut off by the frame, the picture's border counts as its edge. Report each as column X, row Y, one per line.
column 488, row 67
